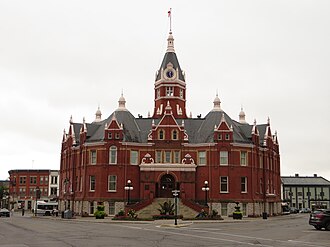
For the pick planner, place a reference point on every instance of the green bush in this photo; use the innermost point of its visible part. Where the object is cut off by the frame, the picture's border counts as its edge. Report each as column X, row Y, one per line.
column 100, row 214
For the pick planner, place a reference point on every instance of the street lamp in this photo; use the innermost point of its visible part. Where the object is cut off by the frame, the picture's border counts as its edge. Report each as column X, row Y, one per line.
column 37, row 197
column 128, row 188
column 206, row 188
column 176, row 194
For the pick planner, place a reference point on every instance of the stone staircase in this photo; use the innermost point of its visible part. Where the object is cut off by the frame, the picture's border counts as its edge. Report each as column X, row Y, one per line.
column 152, row 209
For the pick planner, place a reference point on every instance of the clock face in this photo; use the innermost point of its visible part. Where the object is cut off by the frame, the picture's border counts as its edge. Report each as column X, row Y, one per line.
column 170, row 73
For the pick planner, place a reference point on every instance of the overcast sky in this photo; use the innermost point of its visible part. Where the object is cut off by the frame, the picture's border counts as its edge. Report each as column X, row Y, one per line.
column 62, row 58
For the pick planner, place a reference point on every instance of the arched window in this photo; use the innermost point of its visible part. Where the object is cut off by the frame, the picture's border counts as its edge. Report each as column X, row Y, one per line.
column 161, row 134
column 174, row 135
column 113, row 155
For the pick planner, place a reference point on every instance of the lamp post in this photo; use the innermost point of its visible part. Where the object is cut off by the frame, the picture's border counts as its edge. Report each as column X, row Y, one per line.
column 128, row 188
column 206, row 188
column 176, row 194
column 37, row 197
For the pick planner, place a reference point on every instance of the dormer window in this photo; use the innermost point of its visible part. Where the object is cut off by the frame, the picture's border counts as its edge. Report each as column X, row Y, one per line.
column 110, row 136
column 161, row 135
column 219, row 137
column 227, row 136
column 169, row 91
column 117, row 136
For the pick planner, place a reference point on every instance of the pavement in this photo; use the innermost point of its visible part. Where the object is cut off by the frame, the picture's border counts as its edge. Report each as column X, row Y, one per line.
column 161, row 223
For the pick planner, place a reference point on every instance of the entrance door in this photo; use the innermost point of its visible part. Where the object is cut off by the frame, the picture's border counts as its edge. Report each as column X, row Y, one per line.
column 167, row 184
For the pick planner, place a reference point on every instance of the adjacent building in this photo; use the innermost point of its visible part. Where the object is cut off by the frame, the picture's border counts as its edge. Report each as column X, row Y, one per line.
column 24, row 185
column 306, row 192
column 138, row 159
column 4, row 194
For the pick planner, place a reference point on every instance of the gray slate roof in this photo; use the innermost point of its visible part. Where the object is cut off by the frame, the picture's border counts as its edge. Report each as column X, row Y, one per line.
column 304, row 181
column 199, row 130
column 170, row 57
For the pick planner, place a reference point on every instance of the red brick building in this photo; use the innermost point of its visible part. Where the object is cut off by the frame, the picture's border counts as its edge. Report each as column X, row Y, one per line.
column 170, row 150
column 23, row 186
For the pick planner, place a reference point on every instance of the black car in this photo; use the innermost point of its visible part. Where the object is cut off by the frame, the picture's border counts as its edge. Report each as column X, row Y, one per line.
column 320, row 218
column 4, row 212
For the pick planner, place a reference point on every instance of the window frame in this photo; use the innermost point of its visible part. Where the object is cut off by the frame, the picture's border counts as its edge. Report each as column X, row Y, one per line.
column 110, row 181
column 243, row 160
column 244, row 183
column 222, row 183
column 92, row 183
column 113, row 153
column 136, row 161
column 223, row 157
column 93, row 160
column 202, row 160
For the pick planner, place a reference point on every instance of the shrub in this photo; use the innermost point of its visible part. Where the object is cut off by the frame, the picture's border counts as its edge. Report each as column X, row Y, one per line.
column 167, row 208
column 100, row 214
column 131, row 214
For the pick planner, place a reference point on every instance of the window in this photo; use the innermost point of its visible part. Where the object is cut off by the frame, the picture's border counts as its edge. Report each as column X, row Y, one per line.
column 244, row 207
column 169, row 91
column 202, row 158
column 158, row 156
column 112, row 208
column 161, row 135
column 261, row 185
column 134, row 157
column 46, row 179
column 53, row 191
column 33, row 180
column 22, row 180
column 110, row 135
column 181, row 93
column 244, row 184
column 41, row 180
column 80, row 184
column 227, row 136
column 168, row 158
column 219, row 136
column 158, row 93
column 91, row 208
column 113, row 155
column 224, row 209
column 112, row 183
column 174, row 135
column 224, row 158
column 117, row 136
column 93, row 157
column 177, row 157
column 91, row 183
column 261, row 163
column 22, row 191
column 53, row 180
column 223, row 184
column 243, row 158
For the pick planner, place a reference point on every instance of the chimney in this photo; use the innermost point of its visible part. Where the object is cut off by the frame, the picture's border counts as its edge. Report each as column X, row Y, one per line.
column 315, row 175
column 296, row 175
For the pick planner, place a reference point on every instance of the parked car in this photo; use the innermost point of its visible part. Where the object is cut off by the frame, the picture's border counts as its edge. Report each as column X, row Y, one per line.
column 294, row 210
column 320, row 218
column 4, row 212
column 305, row 210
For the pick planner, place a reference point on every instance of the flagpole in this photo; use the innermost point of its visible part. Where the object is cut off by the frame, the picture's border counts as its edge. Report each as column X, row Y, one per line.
column 170, row 16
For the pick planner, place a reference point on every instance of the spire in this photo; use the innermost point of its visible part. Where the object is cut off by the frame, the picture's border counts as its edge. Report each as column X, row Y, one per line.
column 216, row 103
column 122, row 103
column 98, row 115
column 242, row 116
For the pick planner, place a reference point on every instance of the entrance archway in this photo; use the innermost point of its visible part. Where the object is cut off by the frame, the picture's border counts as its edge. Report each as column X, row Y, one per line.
column 167, row 184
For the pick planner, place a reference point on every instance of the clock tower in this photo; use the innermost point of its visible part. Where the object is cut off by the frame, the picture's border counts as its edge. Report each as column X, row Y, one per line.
column 170, row 85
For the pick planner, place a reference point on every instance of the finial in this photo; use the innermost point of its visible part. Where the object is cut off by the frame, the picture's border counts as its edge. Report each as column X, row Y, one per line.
column 268, row 121
column 71, row 120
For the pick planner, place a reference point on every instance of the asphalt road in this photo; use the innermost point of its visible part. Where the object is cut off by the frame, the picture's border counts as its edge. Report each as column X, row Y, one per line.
column 289, row 230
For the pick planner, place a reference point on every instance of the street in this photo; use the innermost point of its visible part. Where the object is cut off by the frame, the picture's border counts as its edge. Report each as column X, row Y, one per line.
column 289, row 230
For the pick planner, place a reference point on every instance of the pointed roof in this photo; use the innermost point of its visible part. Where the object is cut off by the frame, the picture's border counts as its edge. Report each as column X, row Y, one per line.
column 170, row 57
